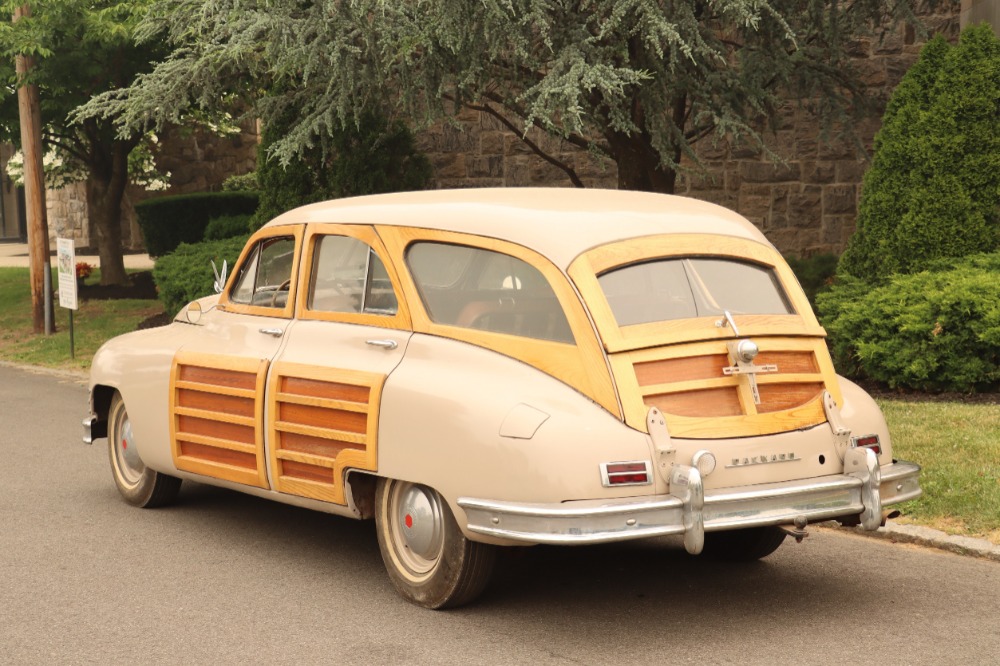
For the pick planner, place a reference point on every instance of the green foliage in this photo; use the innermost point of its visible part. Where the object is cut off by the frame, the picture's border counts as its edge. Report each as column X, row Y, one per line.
column 815, row 274
column 169, row 221
column 938, row 330
column 227, row 226
column 638, row 81
column 186, row 273
column 245, row 182
column 372, row 157
column 933, row 189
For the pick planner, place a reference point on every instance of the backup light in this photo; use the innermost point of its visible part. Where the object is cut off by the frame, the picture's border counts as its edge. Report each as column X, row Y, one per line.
column 868, row 442
column 632, row 473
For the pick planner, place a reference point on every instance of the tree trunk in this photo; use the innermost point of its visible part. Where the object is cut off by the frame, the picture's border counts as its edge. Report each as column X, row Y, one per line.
column 105, row 190
column 639, row 165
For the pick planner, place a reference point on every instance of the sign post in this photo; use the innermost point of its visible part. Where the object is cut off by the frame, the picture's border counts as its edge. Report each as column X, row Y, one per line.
column 66, row 253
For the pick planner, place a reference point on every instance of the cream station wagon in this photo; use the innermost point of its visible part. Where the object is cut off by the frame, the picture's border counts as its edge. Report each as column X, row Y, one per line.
column 485, row 368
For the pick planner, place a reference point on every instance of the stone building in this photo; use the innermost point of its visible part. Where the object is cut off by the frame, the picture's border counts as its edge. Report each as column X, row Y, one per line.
column 806, row 204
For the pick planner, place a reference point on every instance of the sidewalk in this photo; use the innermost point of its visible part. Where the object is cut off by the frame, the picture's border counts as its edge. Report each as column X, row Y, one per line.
column 15, row 255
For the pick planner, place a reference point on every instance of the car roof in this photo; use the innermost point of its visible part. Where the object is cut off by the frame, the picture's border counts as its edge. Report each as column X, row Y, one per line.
column 559, row 223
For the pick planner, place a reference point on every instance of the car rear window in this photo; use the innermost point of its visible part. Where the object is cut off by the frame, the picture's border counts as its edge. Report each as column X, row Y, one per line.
column 686, row 288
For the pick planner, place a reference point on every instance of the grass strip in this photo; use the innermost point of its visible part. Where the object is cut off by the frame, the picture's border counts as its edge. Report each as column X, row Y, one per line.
column 95, row 322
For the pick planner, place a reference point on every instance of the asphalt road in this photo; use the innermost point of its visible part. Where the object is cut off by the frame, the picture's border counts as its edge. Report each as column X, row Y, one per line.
column 226, row 578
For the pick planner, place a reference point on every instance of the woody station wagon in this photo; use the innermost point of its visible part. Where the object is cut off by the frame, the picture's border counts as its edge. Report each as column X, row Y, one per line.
column 486, row 368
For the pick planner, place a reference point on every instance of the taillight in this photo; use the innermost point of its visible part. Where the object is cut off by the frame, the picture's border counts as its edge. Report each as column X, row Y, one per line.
column 632, row 473
column 868, row 442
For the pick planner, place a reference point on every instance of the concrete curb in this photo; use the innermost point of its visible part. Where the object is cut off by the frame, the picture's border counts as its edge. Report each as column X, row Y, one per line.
column 928, row 537
column 81, row 376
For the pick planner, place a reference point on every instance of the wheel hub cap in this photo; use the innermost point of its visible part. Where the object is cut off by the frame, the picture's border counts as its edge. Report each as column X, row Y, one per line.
column 420, row 522
column 128, row 456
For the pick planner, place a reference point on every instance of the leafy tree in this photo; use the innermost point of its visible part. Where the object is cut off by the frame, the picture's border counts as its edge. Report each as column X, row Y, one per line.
column 637, row 81
column 933, row 189
column 372, row 157
column 82, row 48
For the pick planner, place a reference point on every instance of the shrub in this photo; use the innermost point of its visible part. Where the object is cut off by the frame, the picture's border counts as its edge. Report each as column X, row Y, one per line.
column 167, row 222
column 934, row 184
column 372, row 157
column 186, row 273
column 227, row 226
column 815, row 274
column 244, row 182
column 938, row 330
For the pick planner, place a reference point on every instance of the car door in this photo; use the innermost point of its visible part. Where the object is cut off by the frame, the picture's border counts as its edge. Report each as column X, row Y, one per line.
column 325, row 386
column 217, row 379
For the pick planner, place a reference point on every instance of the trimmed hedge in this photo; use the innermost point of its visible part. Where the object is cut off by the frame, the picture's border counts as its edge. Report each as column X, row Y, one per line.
column 186, row 273
column 167, row 222
column 938, row 330
column 227, row 226
column 815, row 274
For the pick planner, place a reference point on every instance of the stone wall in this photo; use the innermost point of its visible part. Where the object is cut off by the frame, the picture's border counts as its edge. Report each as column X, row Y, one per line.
column 806, row 204
column 197, row 162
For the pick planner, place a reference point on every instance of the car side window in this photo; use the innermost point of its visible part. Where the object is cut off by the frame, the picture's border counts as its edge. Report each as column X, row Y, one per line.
column 265, row 276
column 486, row 290
column 348, row 276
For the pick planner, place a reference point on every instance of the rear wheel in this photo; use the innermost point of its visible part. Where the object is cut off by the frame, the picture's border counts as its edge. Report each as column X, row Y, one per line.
column 428, row 558
column 139, row 485
column 746, row 545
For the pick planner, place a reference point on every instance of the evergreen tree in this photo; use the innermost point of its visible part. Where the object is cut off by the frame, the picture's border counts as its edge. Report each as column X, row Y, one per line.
column 933, row 189
column 636, row 81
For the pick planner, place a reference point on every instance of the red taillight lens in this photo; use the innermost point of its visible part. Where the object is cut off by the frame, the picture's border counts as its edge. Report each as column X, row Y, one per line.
column 869, row 442
column 625, row 473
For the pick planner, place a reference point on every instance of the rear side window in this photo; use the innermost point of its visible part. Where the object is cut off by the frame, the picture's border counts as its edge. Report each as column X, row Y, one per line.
column 669, row 289
column 485, row 290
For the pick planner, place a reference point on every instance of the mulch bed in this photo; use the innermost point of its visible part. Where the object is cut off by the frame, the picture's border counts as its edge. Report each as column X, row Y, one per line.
column 140, row 287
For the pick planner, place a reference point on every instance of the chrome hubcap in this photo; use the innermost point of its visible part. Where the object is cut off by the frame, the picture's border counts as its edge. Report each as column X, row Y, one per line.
column 129, row 464
column 419, row 526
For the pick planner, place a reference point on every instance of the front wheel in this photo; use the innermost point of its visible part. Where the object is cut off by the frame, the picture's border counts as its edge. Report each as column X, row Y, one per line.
column 746, row 545
column 139, row 485
column 428, row 558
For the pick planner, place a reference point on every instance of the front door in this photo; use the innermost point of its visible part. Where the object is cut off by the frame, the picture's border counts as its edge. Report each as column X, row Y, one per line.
column 326, row 383
column 218, row 380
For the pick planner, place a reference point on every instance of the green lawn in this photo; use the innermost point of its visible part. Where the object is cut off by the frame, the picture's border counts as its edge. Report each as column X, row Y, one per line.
column 958, row 446
column 93, row 323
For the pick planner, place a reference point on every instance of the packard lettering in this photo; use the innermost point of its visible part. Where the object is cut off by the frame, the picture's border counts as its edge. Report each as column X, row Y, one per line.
column 764, row 459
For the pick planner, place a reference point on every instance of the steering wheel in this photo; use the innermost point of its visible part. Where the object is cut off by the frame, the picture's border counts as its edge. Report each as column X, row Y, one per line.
column 281, row 287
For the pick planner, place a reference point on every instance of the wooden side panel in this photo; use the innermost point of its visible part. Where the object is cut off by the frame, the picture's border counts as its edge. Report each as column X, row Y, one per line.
column 215, row 424
column 322, row 421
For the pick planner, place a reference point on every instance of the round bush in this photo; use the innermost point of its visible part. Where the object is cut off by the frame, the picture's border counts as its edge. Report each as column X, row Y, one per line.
column 186, row 273
column 938, row 330
column 227, row 226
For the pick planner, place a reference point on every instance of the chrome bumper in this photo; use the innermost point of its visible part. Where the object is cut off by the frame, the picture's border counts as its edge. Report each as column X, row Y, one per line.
column 862, row 491
column 94, row 428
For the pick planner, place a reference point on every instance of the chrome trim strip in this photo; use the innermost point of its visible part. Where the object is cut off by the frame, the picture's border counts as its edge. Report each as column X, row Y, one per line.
column 601, row 521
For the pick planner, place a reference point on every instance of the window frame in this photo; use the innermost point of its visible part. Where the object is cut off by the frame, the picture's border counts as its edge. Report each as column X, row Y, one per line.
column 228, row 305
column 586, row 267
column 367, row 235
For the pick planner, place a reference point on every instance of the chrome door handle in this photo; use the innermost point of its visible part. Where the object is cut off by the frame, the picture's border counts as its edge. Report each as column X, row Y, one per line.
column 274, row 332
column 384, row 344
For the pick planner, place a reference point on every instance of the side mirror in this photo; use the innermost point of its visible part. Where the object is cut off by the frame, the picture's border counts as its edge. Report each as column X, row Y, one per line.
column 220, row 280
column 193, row 312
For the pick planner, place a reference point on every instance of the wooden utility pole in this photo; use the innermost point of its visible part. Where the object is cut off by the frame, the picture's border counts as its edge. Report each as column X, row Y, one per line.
column 34, row 189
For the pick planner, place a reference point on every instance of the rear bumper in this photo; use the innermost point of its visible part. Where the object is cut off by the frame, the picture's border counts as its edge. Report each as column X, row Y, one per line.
column 862, row 491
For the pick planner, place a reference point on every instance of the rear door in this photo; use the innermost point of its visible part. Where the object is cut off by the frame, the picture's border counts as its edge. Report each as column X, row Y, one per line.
column 325, row 387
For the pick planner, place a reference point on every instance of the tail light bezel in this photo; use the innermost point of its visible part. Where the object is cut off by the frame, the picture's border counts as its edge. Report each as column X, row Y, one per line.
column 626, row 473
